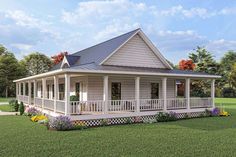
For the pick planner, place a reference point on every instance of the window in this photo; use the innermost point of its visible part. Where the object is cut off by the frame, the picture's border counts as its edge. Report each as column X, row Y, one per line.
column 77, row 90
column 21, row 88
column 53, row 91
column 26, row 89
column 116, row 91
column 48, row 90
column 61, row 91
column 154, row 90
column 180, row 88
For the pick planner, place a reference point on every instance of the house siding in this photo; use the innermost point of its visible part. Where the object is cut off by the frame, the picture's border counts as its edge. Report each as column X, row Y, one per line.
column 95, row 87
column 135, row 53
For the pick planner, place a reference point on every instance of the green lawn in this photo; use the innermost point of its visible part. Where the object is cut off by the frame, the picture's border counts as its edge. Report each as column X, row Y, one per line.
column 5, row 99
column 6, row 108
column 214, row 136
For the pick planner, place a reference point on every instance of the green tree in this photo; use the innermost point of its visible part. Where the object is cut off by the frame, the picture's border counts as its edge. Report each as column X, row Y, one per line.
column 9, row 71
column 36, row 63
column 3, row 50
column 232, row 76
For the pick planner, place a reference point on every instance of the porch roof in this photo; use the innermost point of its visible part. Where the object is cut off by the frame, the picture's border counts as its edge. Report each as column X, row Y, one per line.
column 108, row 69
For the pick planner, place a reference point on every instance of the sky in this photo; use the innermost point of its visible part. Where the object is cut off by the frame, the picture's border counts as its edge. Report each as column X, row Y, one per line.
column 176, row 27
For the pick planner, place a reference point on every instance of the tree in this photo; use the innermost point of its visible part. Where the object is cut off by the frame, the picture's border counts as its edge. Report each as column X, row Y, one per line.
column 186, row 65
column 3, row 50
column 59, row 57
column 9, row 71
column 36, row 63
column 232, row 76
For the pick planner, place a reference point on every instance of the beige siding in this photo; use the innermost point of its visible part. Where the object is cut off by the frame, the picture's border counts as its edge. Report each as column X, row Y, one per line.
column 95, row 88
column 135, row 53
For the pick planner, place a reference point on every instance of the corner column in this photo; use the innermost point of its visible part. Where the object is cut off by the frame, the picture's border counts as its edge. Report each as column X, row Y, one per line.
column 105, row 94
column 24, row 89
column 17, row 87
column 44, row 91
column 35, row 91
column 213, row 92
column 67, row 94
column 187, row 92
column 164, row 82
column 29, row 92
column 55, row 78
column 137, row 93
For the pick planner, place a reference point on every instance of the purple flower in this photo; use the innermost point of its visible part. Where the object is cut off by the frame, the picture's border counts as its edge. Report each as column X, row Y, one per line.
column 215, row 111
column 32, row 111
column 61, row 123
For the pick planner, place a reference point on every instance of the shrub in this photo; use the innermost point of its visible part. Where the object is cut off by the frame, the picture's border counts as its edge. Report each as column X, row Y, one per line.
column 208, row 113
column 21, row 108
column 228, row 92
column 128, row 120
column 38, row 118
column 74, row 98
column 215, row 112
column 32, row 111
column 61, row 123
column 16, row 106
column 150, row 121
column 80, row 126
column 165, row 117
column 104, row 122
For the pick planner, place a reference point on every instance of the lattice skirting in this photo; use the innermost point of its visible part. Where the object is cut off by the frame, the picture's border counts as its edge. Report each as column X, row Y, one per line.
column 136, row 119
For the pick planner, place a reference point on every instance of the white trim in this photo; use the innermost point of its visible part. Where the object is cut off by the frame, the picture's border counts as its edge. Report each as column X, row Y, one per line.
column 150, row 45
column 64, row 61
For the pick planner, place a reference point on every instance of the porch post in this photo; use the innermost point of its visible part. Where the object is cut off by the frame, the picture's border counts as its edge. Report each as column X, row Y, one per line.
column 213, row 92
column 55, row 92
column 20, row 88
column 67, row 94
column 35, row 91
column 164, row 80
column 105, row 94
column 29, row 92
column 17, row 90
column 187, row 92
column 137, row 93
column 23, row 88
column 44, row 93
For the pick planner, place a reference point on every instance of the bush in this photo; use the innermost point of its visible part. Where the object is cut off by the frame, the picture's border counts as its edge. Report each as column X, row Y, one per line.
column 208, row 113
column 165, row 117
column 104, row 122
column 128, row 120
column 228, row 92
column 215, row 112
column 12, row 104
column 32, row 111
column 80, row 126
column 61, row 123
column 149, row 121
column 74, row 98
column 21, row 108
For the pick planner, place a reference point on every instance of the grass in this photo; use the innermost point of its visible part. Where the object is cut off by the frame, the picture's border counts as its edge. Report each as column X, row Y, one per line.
column 213, row 136
column 5, row 99
column 6, row 108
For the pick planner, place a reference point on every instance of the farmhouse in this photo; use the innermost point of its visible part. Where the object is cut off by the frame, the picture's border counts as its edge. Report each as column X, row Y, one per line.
column 125, row 76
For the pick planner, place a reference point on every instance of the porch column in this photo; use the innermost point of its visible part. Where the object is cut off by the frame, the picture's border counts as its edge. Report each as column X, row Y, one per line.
column 17, row 90
column 24, row 88
column 44, row 91
column 35, row 91
column 29, row 92
column 164, row 80
column 20, row 88
column 55, row 92
column 67, row 94
column 213, row 92
column 137, row 93
column 187, row 92
column 105, row 94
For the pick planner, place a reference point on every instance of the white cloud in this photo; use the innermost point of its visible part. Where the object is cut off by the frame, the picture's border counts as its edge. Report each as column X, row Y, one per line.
column 220, row 46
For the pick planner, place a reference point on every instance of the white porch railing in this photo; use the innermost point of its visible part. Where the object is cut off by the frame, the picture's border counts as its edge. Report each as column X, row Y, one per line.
column 121, row 105
column 151, row 104
column 20, row 98
column 60, row 106
column 49, row 104
column 38, row 102
column 26, row 99
column 177, row 103
column 79, row 107
column 200, row 102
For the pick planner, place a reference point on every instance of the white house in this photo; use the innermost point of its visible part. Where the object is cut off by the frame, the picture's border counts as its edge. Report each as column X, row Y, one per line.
column 122, row 77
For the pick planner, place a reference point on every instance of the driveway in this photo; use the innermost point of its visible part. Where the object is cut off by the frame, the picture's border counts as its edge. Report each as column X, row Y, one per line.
column 7, row 113
column 3, row 103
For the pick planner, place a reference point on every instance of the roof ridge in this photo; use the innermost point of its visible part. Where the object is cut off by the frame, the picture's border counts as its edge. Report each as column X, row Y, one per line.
column 74, row 54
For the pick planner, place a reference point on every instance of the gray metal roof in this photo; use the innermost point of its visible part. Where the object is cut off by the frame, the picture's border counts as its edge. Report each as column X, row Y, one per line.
column 99, row 52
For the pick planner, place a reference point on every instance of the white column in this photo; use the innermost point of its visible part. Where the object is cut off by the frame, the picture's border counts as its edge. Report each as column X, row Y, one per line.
column 17, row 87
column 137, row 93
column 24, row 88
column 105, row 94
column 29, row 93
column 67, row 94
column 55, row 92
column 35, row 91
column 44, row 91
column 187, row 92
column 213, row 92
column 164, row 80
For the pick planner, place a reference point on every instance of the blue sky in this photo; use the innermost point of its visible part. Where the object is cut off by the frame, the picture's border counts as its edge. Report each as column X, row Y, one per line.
column 175, row 27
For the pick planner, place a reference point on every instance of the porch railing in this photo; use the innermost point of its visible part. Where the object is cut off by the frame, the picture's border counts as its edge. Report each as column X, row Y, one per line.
column 200, row 102
column 121, row 105
column 177, row 103
column 38, row 102
column 79, row 107
column 151, row 104
column 49, row 104
column 60, row 106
